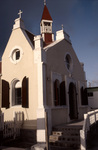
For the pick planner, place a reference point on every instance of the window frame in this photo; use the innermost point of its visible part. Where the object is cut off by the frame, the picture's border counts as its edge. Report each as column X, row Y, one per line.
column 59, row 88
column 24, row 84
column 13, row 54
column 68, row 62
column 14, row 87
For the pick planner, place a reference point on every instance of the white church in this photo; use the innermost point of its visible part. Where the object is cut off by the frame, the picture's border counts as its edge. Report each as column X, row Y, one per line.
column 42, row 77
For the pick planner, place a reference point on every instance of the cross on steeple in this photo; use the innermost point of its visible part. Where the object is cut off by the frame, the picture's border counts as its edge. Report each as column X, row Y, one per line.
column 62, row 27
column 20, row 12
column 44, row 2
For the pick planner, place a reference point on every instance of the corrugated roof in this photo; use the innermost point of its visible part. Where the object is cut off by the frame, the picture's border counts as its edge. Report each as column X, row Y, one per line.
column 46, row 14
column 92, row 89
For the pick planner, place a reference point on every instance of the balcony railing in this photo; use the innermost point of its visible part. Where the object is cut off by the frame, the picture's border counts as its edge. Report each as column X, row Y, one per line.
column 90, row 121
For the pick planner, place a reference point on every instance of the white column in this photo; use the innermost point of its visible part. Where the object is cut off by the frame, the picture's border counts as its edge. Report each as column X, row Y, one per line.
column 41, row 133
column 83, row 140
column 39, row 58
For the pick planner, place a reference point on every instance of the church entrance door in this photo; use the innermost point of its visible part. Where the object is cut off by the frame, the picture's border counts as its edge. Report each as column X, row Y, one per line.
column 73, row 109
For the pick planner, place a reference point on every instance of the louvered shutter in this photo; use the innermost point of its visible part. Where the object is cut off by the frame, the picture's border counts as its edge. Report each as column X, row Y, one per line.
column 82, row 96
column 62, row 94
column 25, row 92
column 5, row 94
column 56, row 92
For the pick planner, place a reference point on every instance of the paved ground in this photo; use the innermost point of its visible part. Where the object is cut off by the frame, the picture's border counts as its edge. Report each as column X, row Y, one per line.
column 17, row 144
column 74, row 123
column 13, row 148
column 78, row 123
column 93, row 144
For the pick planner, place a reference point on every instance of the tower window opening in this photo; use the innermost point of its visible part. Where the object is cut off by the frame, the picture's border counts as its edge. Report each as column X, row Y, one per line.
column 47, row 23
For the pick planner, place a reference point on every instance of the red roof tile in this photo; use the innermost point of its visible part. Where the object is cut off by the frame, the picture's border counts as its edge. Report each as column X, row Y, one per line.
column 46, row 14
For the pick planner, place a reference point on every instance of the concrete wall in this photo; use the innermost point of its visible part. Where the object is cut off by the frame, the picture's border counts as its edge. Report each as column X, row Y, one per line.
column 25, row 67
column 56, row 69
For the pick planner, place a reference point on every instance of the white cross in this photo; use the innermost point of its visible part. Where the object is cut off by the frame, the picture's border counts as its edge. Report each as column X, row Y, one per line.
column 62, row 27
column 44, row 2
column 20, row 12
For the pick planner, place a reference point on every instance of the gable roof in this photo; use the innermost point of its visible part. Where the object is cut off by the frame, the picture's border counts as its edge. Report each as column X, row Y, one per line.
column 31, row 36
column 47, row 47
column 46, row 14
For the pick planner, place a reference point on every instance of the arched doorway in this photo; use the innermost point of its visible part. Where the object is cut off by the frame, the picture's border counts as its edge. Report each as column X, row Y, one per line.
column 73, row 109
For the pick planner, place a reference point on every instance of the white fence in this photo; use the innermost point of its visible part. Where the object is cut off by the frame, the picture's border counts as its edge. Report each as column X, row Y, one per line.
column 12, row 128
column 90, row 119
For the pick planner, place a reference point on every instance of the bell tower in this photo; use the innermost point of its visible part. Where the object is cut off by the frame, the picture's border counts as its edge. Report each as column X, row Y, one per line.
column 46, row 26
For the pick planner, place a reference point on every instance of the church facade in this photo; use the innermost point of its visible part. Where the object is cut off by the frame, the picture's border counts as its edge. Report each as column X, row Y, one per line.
column 42, row 78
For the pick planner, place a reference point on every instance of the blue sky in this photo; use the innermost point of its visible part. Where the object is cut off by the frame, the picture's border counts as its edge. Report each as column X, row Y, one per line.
column 80, row 20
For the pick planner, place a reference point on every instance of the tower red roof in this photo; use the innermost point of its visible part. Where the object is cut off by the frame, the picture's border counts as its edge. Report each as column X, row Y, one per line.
column 46, row 14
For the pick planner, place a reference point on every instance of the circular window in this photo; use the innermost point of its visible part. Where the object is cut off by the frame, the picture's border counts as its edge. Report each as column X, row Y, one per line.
column 16, row 55
column 68, row 61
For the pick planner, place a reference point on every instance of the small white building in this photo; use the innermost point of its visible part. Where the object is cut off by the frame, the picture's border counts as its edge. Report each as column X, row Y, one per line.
column 41, row 76
column 93, row 97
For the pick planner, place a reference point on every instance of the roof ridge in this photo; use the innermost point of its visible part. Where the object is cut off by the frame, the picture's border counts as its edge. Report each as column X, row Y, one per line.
column 46, row 15
column 29, row 32
column 31, row 36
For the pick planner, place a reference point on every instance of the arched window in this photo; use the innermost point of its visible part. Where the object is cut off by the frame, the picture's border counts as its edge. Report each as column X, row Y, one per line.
column 56, row 93
column 69, row 62
column 16, row 93
column 19, row 93
column 59, row 93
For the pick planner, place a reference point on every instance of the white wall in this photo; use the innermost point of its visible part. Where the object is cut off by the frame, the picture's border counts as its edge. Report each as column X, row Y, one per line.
column 93, row 101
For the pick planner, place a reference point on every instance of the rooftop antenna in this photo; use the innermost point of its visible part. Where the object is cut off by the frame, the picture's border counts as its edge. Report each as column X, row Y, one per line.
column 20, row 12
column 44, row 2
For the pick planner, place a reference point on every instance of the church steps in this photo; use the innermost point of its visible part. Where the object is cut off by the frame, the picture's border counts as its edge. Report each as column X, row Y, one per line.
column 69, row 132
column 63, row 148
column 55, row 138
column 64, row 145
column 65, row 136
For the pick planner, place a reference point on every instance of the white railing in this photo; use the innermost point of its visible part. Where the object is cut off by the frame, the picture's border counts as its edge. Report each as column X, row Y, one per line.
column 9, row 129
column 90, row 119
column 46, row 29
column 12, row 128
